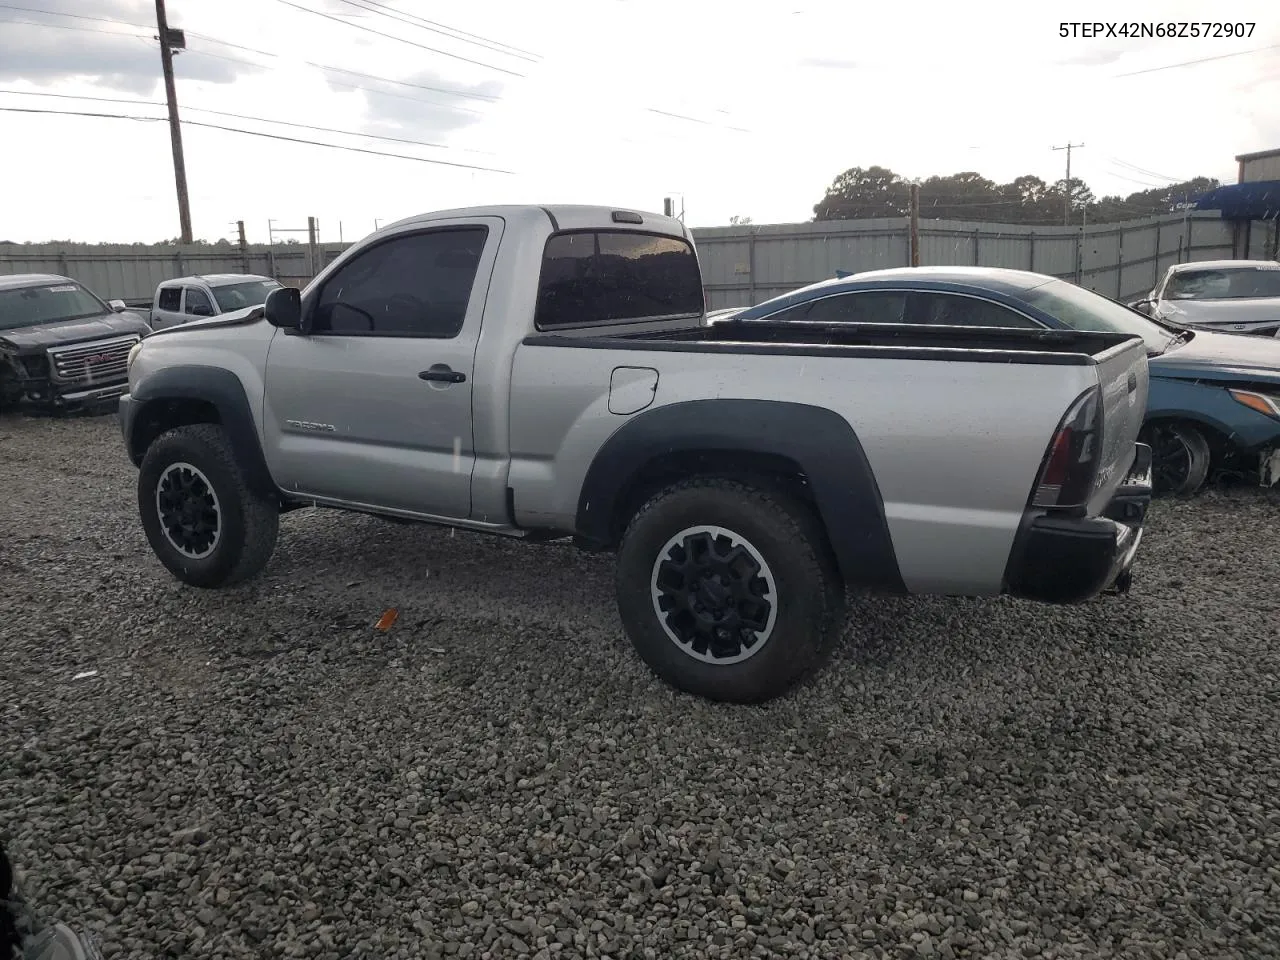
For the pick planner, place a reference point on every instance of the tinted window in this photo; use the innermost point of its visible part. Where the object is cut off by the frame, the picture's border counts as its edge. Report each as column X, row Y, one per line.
column 950, row 310
column 27, row 306
column 886, row 307
column 596, row 277
column 237, row 296
column 412, row 286
column 1081, row 309
column 198, row 302
column 170, row 298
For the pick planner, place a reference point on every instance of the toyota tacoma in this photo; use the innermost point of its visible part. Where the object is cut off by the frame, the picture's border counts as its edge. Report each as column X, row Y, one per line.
column 545, row 372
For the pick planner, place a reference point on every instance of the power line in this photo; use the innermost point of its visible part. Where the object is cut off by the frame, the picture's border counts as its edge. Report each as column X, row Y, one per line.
column 1191, row 63
column 350, row 86
column 73, row 16
column 68, row 26
column 242, row 116
column 256, row 133
column 461, row 33
column 487, row 97
column 399, row 17
column 224, row 43
column 1146, row 172
column 392, row 36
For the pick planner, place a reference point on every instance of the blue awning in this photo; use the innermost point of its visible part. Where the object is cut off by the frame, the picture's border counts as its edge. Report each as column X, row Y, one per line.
column 1259, row 200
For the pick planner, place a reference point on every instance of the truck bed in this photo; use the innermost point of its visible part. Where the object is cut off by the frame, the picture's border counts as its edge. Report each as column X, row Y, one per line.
column 889, row 341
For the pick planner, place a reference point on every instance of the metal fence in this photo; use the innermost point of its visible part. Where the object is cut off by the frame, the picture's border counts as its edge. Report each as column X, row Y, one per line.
column 742, row 264
column 747, row 264
column 132, row 272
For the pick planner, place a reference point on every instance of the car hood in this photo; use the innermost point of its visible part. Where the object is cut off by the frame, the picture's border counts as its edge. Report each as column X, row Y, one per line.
column 1221, row 356
column 1222, row 311
column 74, row 331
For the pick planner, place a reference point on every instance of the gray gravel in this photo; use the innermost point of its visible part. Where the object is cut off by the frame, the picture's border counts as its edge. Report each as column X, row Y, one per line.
column 261, row 773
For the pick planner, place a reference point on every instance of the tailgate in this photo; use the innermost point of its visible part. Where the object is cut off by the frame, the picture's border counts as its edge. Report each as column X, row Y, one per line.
column 1122, row 375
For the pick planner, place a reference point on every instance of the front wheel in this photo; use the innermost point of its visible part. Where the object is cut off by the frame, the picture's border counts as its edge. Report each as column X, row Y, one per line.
column 728, row 591
column 204, row 523
column 1180, row 458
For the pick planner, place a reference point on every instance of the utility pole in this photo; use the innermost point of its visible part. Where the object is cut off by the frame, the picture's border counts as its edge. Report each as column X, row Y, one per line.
column 169, row 41
column 244, row 245
column 915, row 224
column 1066, row 212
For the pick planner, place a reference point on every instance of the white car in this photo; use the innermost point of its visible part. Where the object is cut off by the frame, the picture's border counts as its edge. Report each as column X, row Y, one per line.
column 190, row 298
column 1230, row 296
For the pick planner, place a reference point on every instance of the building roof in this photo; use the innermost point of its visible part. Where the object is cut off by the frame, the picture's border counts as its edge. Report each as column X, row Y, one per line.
column 1258, row 200
column 1258, row 155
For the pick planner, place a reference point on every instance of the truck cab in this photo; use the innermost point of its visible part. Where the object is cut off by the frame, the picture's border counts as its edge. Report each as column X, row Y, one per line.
column 190, row 298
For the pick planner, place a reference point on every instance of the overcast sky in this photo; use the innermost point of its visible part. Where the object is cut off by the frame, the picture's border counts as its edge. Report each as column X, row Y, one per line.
column 744, row 109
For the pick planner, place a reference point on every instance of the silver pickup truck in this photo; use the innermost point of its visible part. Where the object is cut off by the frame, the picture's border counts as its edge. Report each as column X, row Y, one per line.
column 543, row 372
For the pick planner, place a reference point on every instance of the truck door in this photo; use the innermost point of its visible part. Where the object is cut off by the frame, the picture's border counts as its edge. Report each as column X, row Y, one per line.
column 370, row 404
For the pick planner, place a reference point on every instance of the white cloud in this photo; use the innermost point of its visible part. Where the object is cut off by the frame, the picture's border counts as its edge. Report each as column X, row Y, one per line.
column 743, row 110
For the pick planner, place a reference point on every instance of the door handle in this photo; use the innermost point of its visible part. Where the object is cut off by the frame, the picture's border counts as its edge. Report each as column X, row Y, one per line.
column 442, row 373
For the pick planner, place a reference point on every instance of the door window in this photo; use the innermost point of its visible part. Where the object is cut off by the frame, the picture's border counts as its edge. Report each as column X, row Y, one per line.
column 953, row 310
column 198, row 303
column 416, row 285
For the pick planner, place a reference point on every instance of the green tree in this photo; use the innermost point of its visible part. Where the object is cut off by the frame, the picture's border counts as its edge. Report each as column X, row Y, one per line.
column 859, row 194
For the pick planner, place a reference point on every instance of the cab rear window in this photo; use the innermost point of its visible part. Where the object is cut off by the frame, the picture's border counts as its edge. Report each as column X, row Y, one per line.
column 170, row 298
column 603, row 276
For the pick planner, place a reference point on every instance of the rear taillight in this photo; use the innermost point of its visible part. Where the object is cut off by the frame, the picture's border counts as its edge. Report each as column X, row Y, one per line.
column 1071, row 463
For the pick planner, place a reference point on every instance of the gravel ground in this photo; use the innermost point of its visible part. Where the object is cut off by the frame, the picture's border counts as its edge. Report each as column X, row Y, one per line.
column 260, row 773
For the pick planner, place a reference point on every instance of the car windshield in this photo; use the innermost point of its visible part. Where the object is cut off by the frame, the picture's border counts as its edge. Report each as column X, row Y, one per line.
column 47, row 303
column 1082, row 309
column 237, row 296
column 1238, row 283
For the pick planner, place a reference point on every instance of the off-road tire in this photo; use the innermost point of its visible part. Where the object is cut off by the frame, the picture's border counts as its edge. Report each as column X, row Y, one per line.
column 787, row 535
column 248, row 522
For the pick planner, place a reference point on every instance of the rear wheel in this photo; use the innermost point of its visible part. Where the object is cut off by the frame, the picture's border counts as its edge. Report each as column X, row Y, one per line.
column 1180, row 458
column 728, row 591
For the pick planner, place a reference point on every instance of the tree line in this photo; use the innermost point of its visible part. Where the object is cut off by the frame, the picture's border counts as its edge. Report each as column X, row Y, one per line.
column 862, row 193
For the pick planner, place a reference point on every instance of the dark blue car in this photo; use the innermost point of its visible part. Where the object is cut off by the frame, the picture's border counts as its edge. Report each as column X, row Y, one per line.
column 1214, row 400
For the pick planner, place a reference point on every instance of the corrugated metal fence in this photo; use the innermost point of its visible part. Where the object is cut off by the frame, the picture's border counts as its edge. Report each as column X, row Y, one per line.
column 745, row 265
column 742, row 264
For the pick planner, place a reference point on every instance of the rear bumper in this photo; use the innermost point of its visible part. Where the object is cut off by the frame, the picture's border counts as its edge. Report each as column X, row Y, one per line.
column 1064, row 560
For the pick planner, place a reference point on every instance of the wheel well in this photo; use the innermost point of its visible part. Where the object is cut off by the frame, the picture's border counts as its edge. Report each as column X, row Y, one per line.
column 159, row 416
column 767, row 469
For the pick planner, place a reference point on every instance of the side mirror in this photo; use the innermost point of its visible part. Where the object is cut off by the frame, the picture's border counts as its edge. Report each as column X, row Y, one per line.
column 119, row 306
column 202, row 310
column 283, row 308
column 1142, row 306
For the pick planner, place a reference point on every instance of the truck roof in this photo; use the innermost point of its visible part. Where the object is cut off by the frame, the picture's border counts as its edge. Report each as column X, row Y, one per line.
column 1225, row 265
column 14, row 281
column 563, row 216
column 215, row 279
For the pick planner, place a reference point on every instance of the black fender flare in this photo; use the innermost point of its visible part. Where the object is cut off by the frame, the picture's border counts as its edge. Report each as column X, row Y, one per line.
column 220, row 388
column 820, row 442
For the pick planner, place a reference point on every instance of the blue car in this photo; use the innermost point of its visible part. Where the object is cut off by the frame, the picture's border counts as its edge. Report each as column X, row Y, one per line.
column 1214, row 401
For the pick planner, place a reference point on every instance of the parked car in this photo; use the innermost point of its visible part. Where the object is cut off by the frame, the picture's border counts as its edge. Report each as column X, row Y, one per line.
column 1215, row 397
column 61, row 346
column 438, row 371
column 1233, row 296
column 189, row 298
